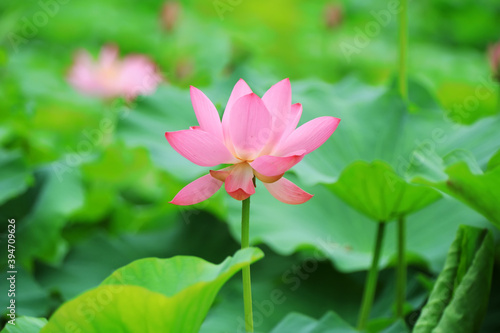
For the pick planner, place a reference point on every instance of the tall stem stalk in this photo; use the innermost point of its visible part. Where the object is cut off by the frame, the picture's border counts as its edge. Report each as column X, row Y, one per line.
column 403, row 89
column 371, row 282
column 401, row 269
column 247, row 285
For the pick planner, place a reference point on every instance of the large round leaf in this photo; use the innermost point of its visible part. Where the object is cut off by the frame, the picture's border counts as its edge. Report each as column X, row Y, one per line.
column 329, row 323
column 375, row 125
column 378, row 192
column 345, row 236
column 151, row 295
column 466, row 182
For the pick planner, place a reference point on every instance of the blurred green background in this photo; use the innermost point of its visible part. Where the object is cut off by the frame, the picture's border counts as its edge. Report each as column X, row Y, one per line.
column 89, row 200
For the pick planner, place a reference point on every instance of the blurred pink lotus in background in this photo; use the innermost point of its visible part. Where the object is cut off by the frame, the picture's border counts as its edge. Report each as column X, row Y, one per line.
column 334, row 15
column 494, row 57
column 169, row 14
column 111, row 77
column 258, row 137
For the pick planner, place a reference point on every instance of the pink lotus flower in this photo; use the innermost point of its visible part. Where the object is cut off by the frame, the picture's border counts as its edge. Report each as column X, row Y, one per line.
column 111, row 77
column 494, row 56
column 258, row 137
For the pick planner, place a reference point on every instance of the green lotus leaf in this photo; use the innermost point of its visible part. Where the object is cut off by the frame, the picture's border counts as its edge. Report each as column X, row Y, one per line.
column 298, row 323
column 41, row 229
column 377, row 191
column 460, row 295
column 465, row 181
column 15, row 177
column 151, row 295
column 329, row 323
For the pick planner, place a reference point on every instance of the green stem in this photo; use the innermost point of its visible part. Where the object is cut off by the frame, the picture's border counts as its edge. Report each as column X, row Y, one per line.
column 403, row 89
column 247, row 285
column 401, row 268
column 403, row 50
column 371, row 282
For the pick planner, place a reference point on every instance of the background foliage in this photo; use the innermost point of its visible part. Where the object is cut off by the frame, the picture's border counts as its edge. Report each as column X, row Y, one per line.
column 90, row 198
